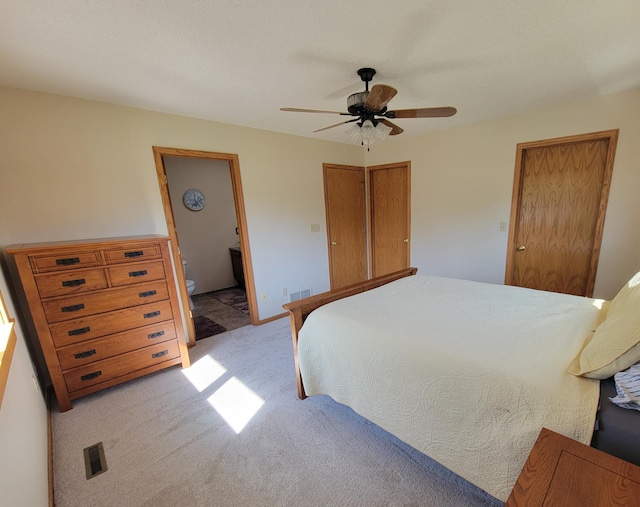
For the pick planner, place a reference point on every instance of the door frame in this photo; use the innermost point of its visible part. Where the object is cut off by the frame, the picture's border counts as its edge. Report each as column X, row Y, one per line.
column 612, row 138
column 238, row 198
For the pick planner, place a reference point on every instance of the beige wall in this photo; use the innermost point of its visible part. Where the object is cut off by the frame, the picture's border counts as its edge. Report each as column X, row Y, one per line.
column 81, row 169
column 206, row 235
column 23, row 428
column 462, row 182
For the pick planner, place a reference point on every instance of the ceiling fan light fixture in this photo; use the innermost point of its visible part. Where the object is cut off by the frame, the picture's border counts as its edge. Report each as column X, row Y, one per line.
column 353, row 132
column 367, row 133
column 382, row 131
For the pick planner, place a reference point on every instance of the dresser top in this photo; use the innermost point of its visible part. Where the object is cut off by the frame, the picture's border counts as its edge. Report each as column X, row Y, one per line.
column 97, row 242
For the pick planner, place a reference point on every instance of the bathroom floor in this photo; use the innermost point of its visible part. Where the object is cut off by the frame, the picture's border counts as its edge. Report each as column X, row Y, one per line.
column 227, row 307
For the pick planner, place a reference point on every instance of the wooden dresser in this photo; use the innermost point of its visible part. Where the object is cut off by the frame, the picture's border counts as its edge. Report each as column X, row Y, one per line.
column 104, row 311
column 563, row 472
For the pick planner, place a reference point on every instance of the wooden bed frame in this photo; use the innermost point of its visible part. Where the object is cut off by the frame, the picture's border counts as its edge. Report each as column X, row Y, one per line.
column 299, row 310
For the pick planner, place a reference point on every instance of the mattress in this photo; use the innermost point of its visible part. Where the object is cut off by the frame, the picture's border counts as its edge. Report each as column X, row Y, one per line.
column 465, row 372
column 617, row 429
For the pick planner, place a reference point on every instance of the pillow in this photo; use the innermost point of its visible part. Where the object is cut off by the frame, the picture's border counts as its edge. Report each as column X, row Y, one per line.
column 615, row 344
column 628, row 388
column 628, row 298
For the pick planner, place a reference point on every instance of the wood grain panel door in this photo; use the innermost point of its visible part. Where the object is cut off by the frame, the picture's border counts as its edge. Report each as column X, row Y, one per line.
column 561, row 188
column 390, row 217
column 344, row 193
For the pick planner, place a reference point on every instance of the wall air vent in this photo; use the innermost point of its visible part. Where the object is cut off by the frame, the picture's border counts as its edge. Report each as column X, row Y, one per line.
column 294, row 296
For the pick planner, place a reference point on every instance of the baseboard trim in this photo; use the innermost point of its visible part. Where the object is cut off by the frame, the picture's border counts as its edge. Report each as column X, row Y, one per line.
column 271, row 319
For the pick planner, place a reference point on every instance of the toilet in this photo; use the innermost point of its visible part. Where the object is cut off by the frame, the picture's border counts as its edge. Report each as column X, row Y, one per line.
column 191, row 285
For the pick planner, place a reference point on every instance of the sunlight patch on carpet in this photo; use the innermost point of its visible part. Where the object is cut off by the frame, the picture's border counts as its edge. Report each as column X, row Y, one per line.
column 204, row 372
column 236, row 403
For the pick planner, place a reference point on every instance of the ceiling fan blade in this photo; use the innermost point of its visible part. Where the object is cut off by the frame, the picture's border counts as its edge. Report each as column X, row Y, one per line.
column 426, row 112
column 296, row 110
column 336, row 125
column 395, row 130
column 379, row 97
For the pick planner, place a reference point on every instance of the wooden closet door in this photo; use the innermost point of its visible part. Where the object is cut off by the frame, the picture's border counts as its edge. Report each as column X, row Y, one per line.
column 561, row 187
column 390, row 212
column 344, row 192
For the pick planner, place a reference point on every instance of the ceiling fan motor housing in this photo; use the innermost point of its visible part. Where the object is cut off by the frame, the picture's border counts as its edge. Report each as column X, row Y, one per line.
column 356, row 101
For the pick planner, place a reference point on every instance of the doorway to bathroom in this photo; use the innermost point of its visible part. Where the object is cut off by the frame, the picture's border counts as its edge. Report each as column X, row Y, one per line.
column 203, row 203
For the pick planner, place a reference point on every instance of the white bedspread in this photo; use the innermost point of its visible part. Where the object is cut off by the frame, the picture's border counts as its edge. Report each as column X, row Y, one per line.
column 465, row 372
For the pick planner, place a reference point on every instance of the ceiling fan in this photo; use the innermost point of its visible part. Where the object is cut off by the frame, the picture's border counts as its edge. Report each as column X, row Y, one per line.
column 371, row 106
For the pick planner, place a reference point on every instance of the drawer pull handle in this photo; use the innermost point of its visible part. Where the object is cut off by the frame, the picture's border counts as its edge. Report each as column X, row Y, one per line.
column 136, row 253
column 159, row 354
column 74, row 283
column 76, row 332
column 90, row 376
column 72, row 308
column 82, row 355
column 156, row 334
column 68, row 262
column 133, row 274
column 148, row 293
column 151, row 314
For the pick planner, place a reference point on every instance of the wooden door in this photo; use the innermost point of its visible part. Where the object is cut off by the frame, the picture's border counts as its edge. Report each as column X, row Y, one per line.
column 344, row 193
column 390, row 213
column 560, row 193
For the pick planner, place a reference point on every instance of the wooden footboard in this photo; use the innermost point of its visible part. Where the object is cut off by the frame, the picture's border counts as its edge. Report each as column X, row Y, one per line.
column 299, row 310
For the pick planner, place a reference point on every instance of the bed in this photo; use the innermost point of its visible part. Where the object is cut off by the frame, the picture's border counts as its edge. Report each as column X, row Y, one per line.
column 466, row 372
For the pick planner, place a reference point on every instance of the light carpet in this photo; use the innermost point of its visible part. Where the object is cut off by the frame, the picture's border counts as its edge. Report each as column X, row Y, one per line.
column 167, row 444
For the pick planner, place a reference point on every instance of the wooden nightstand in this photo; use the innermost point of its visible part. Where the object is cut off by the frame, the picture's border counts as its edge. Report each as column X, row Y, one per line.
column 563, row 472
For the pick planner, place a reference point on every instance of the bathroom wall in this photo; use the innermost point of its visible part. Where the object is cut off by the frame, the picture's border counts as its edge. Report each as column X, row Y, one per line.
column 206, row 235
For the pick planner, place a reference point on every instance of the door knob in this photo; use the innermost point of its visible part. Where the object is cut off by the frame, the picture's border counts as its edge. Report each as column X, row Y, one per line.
column 521, row 248
column 406, row 240
column 334, row 243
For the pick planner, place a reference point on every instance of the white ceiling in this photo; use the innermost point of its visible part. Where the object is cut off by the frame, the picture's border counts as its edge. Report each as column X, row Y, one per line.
column 238, row 62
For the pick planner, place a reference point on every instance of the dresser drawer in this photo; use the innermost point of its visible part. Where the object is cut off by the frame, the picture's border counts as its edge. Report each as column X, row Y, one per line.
column 132, row 253
column 136, row 273
column 90, row 351
column 65, row 260
column 107, row 369
column 95, row 326
column 71, row 282
column 92, row 303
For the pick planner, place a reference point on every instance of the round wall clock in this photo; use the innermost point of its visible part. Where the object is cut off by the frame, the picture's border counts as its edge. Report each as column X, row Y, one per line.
column 193, row 199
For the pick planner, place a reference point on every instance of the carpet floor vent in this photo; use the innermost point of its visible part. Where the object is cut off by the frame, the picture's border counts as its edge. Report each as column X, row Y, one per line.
column 94, row 460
